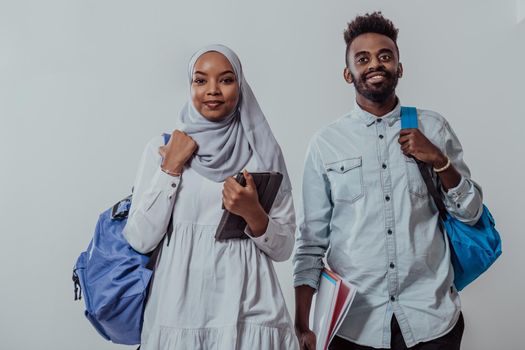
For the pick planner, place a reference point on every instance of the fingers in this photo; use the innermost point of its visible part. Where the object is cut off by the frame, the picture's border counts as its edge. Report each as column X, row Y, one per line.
column 232, row 184
column 227, row 199
column 228, row 192
column 250, row 183
column 178, row 132
column 162, row 151
column 405, row 132
column 231, row 192
column 406, row 135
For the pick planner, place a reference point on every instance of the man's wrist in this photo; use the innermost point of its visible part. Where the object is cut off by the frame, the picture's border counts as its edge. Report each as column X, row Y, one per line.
column 440, row 161
column 301, row 326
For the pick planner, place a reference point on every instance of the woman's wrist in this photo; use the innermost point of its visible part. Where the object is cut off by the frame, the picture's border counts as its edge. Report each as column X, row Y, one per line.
column 257, row 221
column 171, row 169
column 170, row 172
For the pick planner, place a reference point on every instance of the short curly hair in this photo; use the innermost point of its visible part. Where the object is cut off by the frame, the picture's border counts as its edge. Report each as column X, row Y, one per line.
column 369, row 23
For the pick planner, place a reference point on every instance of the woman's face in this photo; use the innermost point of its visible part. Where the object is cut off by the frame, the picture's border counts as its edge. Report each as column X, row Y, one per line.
column 214, row 87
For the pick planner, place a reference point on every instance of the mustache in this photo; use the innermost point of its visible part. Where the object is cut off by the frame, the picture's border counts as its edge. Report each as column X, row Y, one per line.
column 376, row 70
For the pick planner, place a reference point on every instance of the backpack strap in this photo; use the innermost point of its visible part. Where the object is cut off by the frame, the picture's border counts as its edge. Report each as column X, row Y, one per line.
column 409, row 121
column 409, row 118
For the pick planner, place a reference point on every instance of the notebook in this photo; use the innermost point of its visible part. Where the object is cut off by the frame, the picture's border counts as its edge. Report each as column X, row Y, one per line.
column 332, row 303
column 267, row 183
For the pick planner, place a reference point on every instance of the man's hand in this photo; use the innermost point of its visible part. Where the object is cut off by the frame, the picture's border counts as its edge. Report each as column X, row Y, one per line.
column 244, row 201
column 415, row 144
column 303, row 302
column 177, row 152
column 306, row 339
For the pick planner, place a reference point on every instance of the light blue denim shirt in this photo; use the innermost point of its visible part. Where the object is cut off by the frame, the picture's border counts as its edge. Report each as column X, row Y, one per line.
column 366, row 206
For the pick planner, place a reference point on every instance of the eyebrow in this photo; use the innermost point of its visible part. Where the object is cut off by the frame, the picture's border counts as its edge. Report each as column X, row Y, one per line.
column 368, row 53
column 386, row 50
column 223, row 73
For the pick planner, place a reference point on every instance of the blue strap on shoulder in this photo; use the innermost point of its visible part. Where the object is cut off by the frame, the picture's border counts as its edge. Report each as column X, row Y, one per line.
column 166, row 138
column 409, row 118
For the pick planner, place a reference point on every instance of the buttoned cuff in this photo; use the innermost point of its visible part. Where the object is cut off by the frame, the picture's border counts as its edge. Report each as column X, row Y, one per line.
column 166, row 183
column 455, row 194
column 266, row 239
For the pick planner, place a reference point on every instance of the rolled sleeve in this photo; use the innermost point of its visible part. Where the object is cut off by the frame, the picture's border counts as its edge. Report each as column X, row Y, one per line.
column 465, row 201
column 313, row 232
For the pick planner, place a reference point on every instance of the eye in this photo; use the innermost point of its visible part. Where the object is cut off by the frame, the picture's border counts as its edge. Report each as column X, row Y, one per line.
column 228, row 80
column 385, row 57
column 199, row 81
column 362, row 60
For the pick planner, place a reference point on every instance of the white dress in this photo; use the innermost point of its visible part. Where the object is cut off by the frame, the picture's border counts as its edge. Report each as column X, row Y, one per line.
column 208, row 294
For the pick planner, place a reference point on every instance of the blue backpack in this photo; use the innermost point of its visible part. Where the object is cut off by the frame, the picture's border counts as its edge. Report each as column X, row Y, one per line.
column 114, row 278
column 473, row 248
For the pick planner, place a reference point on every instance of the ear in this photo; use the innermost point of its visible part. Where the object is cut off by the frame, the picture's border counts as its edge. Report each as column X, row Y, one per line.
column 400, row 70
column 347, row 76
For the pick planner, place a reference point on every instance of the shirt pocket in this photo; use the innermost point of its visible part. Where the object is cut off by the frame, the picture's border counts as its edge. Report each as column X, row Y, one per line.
column 416, row 184
column 346, row 179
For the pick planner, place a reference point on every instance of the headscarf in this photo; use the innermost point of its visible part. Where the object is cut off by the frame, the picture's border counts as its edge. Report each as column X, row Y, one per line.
column 226, row 146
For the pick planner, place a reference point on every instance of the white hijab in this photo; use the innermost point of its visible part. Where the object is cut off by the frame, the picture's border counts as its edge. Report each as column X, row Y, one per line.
column 226, row 146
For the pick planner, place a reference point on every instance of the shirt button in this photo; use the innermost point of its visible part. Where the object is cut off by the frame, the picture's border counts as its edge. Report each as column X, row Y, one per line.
column 387, row 198
column 392, row 265
column 383, row 166
column 342, row 168
column 392, row 298
column 458, row 205
column 173, row 185
column 389, row 232
column 379, row 120
column 266, row 239
column 381, row 136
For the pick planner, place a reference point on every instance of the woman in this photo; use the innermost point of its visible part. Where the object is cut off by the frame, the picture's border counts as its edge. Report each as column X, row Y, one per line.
column 210, row 294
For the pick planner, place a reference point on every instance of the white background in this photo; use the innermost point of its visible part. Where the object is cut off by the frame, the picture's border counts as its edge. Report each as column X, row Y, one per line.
column 85, row 84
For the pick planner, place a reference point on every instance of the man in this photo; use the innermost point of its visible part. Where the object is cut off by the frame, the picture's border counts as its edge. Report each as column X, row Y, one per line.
column 365, row 205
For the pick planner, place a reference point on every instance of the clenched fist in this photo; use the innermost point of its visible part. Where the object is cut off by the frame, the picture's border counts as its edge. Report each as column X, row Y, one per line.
column 177, row 152
column 244, row 201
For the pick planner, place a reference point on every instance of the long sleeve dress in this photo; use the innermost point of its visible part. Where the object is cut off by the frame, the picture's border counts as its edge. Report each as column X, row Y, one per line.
column 208, row 294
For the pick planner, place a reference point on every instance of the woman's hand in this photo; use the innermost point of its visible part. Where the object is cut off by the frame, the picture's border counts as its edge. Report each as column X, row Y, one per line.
column 177, row 152
column 244, row 201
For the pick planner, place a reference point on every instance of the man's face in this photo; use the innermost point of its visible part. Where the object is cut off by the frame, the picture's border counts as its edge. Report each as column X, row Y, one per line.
column 373, row 66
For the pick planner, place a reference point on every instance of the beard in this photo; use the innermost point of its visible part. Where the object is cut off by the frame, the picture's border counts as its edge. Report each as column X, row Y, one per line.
column 376, row 92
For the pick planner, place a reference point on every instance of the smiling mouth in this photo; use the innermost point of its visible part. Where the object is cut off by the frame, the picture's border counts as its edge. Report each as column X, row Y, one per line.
column 376, row 77
column 213, row 104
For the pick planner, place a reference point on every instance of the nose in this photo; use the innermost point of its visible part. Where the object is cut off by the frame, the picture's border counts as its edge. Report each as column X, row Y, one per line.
column 374, row 64
column 213, row 89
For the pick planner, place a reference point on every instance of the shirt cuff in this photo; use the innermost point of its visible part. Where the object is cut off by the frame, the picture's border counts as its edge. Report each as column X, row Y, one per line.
column 166, row 183
column 308, row 278
column 266, row 239
column 455, row 194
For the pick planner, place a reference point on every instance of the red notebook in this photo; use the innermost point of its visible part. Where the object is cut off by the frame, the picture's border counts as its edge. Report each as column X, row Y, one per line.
column 332, row 302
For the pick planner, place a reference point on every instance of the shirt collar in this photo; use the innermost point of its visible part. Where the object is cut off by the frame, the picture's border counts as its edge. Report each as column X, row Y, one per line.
column 369, row 118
